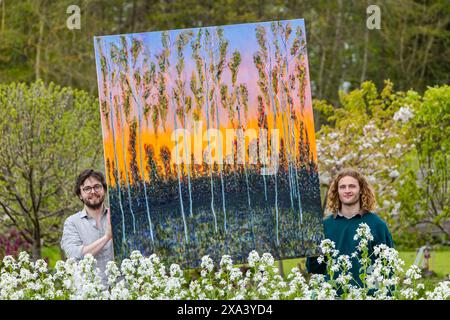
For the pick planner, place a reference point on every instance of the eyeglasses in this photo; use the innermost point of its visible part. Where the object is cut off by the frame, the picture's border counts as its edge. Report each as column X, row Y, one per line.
column 96, row 188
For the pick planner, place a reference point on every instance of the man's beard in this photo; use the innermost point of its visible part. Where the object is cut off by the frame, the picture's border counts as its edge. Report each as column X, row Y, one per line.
column 94, row 206
column 349, row 204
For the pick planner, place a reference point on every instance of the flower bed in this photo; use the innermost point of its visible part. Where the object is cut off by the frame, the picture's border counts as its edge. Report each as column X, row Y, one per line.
column 139, row 277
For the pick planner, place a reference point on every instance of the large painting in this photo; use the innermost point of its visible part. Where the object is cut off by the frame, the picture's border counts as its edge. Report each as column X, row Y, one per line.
column 209, row 143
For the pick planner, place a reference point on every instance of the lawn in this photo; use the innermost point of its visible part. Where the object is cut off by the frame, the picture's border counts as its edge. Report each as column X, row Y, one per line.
column 439, row 262
column 51, row 255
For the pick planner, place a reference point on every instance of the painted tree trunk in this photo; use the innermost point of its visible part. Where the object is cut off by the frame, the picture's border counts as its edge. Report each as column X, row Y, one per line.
column 276, row 165
column 187, row 166
column 293, row 146
column 179, row 180
column 220, row 165
column 130, row 206
column 209, row 146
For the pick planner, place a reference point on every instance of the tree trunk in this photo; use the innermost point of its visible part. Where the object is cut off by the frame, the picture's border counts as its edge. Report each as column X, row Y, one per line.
column 425, row 60
column 335, row 62
column 3, row 15
column 36, row 244
column 321, row 68
column 133, row 16
column 37, row 66
column 119, row 26
column 280, row 268
column 322, row 47
column 366, row 49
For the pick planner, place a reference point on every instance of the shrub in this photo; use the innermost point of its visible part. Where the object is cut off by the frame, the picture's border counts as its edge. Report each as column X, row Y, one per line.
column 140, row 277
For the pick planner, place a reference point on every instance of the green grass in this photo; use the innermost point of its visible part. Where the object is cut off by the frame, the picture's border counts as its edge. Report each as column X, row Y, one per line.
column 52, row 254
column 439, row 262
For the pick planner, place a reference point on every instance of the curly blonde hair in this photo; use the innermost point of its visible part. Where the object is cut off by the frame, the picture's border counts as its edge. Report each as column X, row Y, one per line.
column 367, row 198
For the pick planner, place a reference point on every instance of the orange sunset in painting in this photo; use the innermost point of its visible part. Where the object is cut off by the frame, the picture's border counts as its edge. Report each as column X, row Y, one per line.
column 209, row 143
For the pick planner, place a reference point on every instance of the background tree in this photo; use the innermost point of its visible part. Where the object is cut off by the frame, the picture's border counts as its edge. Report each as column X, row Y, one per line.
column 48, row 135
column 424, row 192
column 413, row 38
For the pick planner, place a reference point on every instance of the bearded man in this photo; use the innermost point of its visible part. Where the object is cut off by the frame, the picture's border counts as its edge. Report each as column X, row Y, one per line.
column 89, row 230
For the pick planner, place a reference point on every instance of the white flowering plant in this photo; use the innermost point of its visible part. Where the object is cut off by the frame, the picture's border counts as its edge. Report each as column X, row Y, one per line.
column 381, row 274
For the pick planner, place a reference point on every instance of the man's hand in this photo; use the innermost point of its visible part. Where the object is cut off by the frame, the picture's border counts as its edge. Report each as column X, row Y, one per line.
column 108, row 232
column 98, row 244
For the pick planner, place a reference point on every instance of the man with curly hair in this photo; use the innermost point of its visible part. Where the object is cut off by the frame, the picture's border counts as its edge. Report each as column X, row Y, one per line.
column 350, row 202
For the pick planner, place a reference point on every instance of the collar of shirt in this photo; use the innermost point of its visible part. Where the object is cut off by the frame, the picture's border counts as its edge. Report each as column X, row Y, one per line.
column 83, row 213
column 339, row 214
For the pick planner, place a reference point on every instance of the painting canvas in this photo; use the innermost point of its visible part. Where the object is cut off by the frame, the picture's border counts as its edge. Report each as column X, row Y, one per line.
column 209, row 143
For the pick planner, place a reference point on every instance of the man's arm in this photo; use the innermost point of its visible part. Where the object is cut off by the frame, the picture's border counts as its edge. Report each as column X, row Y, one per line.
column 71, row 242
column 383, row 235
column 73, row 246
column 312, row 266
column 98, row 244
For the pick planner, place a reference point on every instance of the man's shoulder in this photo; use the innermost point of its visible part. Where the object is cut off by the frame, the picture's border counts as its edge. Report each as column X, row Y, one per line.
column 74, row 217
column 328, row 219
column 374, row 219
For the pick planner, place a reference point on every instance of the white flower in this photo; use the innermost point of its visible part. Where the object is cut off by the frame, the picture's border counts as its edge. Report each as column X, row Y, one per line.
column 146, row 278
column 175, row 270
column 440, row 292
column 253, row 258
column 335, row 147
column 235, row 274
column 408, row 293
column 371, row 179
column 404, row 114
column 40, row 266
column 394, row 174
column 24, row 258
column 414, row 272
column 207, row 264
column 364, row 233
column 9, row 261
column 327, row 246
column 344, row 261
column 335, row 268
column 407, row 281
column 332, row 135
column 268, row 259
column 226, row 262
